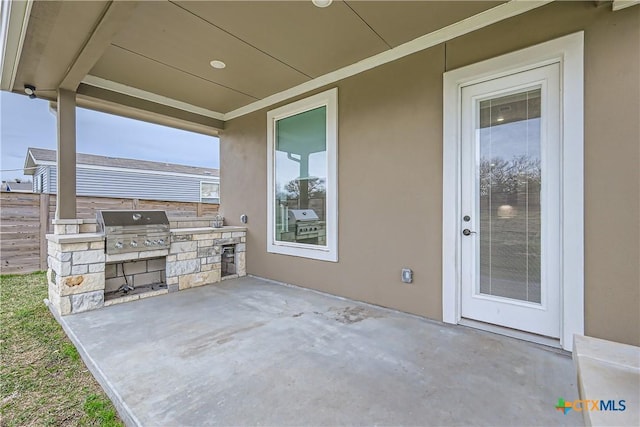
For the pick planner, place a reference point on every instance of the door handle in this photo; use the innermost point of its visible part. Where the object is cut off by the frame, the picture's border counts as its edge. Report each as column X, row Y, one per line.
column 467, row 232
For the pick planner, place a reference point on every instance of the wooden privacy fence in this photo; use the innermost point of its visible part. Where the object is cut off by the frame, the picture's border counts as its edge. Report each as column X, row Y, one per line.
column 25, row 219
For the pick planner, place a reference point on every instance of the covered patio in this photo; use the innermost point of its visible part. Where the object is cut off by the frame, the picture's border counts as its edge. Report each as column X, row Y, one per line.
column 393, row 210
column 253, row 352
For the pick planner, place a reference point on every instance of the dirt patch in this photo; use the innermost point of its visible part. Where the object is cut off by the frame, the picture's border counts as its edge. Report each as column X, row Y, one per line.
column 204, row 342
column 349, row 315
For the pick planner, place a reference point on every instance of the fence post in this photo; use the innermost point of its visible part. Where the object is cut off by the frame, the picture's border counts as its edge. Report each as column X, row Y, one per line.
column 44, row 225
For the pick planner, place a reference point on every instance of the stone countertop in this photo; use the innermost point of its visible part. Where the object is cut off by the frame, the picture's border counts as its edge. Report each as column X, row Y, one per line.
column 94, row 237
column 77, row 221
column 75, row 238
column 204, row 230
column 191, row 218
column 608, row 370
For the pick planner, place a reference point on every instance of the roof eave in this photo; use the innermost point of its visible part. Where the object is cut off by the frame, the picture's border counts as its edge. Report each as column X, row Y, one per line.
column 30, row 163
column 15, row 18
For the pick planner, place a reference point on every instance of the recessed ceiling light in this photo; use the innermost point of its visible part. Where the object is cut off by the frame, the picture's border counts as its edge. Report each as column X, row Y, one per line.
column 217, row 64
column 322, row 3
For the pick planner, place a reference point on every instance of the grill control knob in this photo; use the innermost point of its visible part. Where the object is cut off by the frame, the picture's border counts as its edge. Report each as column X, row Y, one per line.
column 155, row 242
column 118, row 245
column 133, row 244
column 161, row 242
column 147, row 242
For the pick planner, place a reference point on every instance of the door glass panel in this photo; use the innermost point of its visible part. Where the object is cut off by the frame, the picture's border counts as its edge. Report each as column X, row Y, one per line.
column 509, row 199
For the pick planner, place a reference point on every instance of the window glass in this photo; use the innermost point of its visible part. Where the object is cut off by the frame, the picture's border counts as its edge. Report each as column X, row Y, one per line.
column 209, row 192
column 301, row 178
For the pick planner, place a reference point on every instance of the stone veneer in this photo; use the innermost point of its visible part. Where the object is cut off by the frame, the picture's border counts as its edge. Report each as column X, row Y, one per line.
column 195, row 256
column 77, row 260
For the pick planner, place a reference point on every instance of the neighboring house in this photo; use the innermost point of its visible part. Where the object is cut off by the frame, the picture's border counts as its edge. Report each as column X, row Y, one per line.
column 17, row 186
column 128, row 178
column 490, row 147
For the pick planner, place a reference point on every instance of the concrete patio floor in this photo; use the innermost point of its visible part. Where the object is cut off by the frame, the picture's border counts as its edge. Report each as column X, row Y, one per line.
column 251, row 352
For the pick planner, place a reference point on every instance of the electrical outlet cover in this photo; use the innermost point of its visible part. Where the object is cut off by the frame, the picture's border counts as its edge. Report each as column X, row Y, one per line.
column 407, row 275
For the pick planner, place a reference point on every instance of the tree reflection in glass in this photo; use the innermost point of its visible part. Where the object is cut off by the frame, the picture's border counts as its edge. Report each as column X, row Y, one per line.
column 509, row 196
column 301, row 175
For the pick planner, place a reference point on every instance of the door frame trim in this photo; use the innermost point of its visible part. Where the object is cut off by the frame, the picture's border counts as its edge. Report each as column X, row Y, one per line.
column 568, row 51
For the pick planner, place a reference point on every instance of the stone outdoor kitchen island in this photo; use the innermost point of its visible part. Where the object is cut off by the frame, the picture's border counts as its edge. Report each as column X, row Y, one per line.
column 82, row 277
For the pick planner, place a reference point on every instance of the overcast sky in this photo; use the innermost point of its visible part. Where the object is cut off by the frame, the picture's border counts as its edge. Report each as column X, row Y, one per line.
column 28, row 122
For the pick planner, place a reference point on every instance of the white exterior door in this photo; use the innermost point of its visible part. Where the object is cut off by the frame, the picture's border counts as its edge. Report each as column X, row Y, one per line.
column 510, row 163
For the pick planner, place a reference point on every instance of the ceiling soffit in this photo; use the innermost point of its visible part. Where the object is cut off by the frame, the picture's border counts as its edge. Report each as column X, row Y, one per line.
column 170, row 35
column 268, row 47
column 313, row 40
column 55, row 36
column 398, row 22
column 131, row 69
column 273, row 50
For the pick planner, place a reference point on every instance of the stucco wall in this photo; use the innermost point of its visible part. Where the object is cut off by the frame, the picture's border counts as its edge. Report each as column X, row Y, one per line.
column 390, row 171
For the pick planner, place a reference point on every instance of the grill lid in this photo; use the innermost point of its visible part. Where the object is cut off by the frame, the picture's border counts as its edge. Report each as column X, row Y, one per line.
column 302, row 215
column 134, row 231
column 131, row 218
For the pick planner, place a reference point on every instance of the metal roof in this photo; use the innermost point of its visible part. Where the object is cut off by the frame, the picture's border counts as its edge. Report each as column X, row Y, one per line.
column 39, row 156
column 17, row 187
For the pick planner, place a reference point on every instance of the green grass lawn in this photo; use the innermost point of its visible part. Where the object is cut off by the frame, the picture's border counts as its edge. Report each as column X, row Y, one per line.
column 43, row 381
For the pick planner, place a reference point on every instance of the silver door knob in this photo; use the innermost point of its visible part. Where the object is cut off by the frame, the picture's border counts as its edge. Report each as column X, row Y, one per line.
column 467, row 232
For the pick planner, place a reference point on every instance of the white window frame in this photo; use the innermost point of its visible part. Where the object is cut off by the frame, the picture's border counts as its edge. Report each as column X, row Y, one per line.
column 39, row 183
column 210, row 182
column 568, row 51
column 329, row 252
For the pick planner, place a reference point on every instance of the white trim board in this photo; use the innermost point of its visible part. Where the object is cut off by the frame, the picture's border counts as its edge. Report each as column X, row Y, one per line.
column 473, row 23
column 568, row 51
column 210, row 182
column 33, row 160
column 329, row 252
column 623, row 4
column 149, row 96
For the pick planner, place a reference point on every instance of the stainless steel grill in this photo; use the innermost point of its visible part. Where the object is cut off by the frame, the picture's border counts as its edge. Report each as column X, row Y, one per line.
column 304, row 222
column 134, row 231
